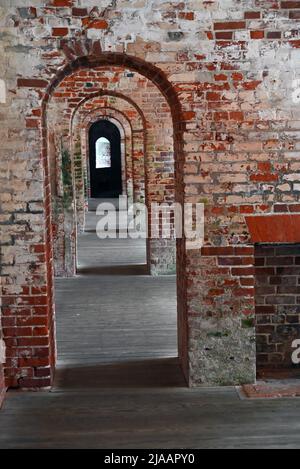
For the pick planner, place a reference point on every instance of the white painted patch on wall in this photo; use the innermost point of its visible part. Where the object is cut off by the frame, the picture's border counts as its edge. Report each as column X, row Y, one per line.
column 2, row 351
column 2, row 92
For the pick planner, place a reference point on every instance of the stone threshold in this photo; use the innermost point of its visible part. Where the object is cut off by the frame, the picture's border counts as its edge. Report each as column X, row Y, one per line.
column 270, row 389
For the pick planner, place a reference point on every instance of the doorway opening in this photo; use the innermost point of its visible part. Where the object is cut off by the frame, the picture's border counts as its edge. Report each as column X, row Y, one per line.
column 57, row 222
column 113, row 315
column 105, row 160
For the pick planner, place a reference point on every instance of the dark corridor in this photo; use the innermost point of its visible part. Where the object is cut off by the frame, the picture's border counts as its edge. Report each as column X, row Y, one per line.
column 105, row 160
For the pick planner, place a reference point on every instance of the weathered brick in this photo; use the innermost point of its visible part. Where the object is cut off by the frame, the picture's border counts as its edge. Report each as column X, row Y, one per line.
column 230, row 25
column 290, row 5
column 32, row 83
column 235, row 150
column 60, row 32
column 280, row 309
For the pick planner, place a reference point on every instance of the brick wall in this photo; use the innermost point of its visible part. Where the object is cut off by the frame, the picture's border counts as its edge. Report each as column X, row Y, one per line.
column 227, row 71
column 277, row 275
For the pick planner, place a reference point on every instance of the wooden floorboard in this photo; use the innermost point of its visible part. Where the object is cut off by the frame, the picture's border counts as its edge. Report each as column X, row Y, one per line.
column 119, row 384
column 147, row 418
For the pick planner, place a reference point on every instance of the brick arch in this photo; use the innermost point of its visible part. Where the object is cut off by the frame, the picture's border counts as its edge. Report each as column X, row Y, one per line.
column 158, row 78
column 109, row 93
column 121, row 129
column 159, row 183
column 79, row 134
column 148, row 70
column 135, row 176
column 146, row 181
column 133, row 135
column 112, row 115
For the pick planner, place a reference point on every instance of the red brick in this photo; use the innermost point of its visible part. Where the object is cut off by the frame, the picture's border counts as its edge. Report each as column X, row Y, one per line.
column 32, row 123
column 247, row 281
column 216, row 292
column 60, row 32
column 32, row 321
column 252, row 15
column 217, row 250
column 62, row 3
column 257, row 34
column 274, row 34
column 236, row 261
column 247, row 292
column 275, row 390
column 268, row 177
column 264, row 166
column 189, row 16
column 33, row 342
column 281, row 208
column 95, row 24
column 221, row 116
column 230, row 25
column 290, row 5
column 40, row 331
column 237, row 116
column 274, row 228
column 246, row 209
column 33, row 362
column 34, row 300
column 213, row 96
column 38, row 290
column 79, row 12
column 237, row 76
column 17, row 332
column 295, row 44
column 224, row 35
column 189, row 115
column 243, row 271
column 244, row 250
column 251, row 85
column 31, row 83
column 221, row 77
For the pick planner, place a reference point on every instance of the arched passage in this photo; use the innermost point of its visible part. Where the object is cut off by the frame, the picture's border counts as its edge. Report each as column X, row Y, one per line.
column 130, row 132
column 105, row 167
column 131, row 116
column 165, row 87
column 154, row 145
column 116, row 118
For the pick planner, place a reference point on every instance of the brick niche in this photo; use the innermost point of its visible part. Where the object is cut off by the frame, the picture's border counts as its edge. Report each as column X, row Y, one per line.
column 277, row 298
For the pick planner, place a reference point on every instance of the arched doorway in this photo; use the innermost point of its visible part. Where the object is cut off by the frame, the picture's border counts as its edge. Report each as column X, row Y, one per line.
column 44, row 303
column 105, row 160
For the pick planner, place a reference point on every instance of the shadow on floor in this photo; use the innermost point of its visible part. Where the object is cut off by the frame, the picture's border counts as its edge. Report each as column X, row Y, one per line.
column 159, row 373
column 114, row 270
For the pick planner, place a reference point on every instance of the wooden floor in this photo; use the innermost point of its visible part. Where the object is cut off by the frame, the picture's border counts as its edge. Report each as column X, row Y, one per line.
column 118, row 383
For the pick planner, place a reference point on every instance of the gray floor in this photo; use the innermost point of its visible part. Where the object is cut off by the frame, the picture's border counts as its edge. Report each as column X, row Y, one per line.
column 118, row 383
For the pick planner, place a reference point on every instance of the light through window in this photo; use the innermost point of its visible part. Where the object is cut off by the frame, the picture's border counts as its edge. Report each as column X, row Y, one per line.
column 103, row 153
